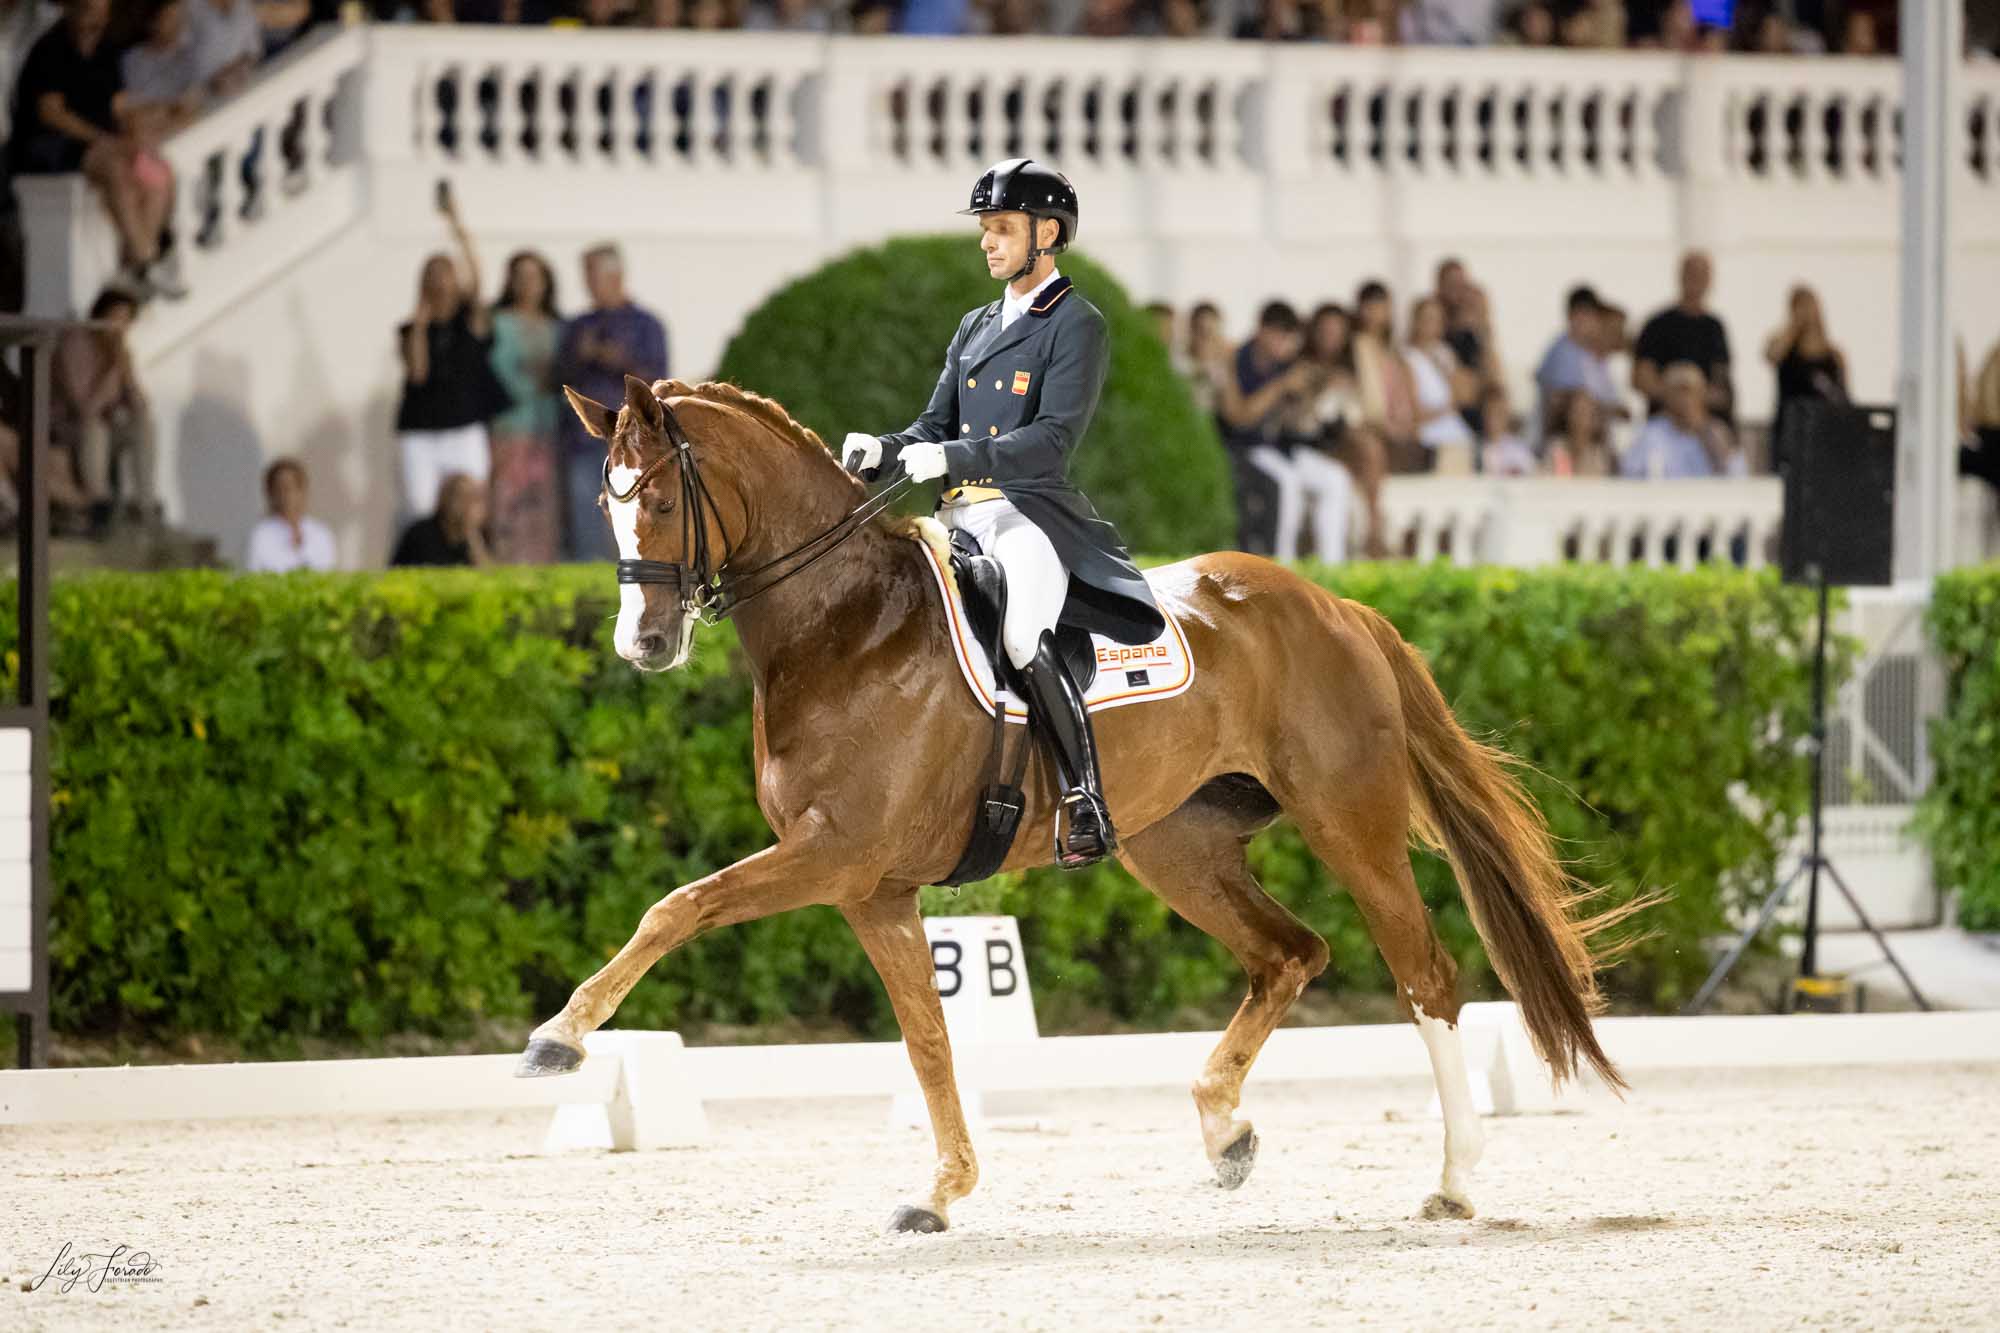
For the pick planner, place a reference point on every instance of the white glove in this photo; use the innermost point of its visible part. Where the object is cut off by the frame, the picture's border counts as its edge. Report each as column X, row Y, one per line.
column 862, row 452
column 922, row 461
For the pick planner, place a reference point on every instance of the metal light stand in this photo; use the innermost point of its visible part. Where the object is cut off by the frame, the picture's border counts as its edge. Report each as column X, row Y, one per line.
column 1813, row 862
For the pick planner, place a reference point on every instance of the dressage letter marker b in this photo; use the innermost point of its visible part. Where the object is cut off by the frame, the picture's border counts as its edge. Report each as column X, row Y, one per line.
column 982, row 977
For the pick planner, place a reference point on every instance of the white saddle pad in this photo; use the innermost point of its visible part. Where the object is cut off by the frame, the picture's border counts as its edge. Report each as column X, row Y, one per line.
column 1126, row 674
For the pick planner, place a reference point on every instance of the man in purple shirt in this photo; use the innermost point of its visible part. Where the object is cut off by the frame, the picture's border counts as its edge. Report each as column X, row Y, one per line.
column 599, row 349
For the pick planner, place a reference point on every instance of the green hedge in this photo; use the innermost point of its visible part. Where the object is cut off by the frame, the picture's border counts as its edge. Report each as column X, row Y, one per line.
column 858, row 344
column 356, row 805
column 1960, row 815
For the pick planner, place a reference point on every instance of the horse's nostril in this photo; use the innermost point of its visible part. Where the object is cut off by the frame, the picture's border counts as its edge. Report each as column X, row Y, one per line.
column 651, row 645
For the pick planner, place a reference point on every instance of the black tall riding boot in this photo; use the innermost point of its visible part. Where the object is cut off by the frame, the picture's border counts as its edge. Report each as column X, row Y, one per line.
column 1058, row 704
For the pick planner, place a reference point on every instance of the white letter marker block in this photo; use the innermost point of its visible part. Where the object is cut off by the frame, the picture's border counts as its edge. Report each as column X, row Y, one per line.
column 982, row 977
column 655, row 1105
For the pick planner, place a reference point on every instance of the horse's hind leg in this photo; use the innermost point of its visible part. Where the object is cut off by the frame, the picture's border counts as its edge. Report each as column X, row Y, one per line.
column 892, row 934
column 1194, row 861
column 1367, row 848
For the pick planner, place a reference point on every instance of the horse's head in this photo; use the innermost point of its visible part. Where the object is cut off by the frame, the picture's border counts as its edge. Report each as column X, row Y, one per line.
column 665, row 514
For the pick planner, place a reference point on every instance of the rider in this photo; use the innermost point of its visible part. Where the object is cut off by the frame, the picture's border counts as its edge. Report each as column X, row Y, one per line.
column 1020, row 383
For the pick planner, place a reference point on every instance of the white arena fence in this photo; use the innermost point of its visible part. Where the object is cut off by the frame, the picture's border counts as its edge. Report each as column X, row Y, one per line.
column 728, row 164
column 645, row 1090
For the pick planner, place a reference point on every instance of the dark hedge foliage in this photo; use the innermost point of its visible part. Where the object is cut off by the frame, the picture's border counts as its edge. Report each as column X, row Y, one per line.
column 858, row 346
column 356, row 805
column 1960, row 815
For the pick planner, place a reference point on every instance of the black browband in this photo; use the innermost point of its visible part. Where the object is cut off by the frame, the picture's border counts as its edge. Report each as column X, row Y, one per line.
column 703, row 589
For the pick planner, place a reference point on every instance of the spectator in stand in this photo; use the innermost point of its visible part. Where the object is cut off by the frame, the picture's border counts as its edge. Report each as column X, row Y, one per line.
column 935, row 18
column 1859, row 36
column 1686, row 331
column 228, row 41
column 1579, row 401
column 287, row 537
column 1469, row 329
column 787, row 16
column 101, row 413
column 1388, row 397
column 1533, row 24
column 455, row 534
column 527, row 493
column 449, row 389
column 1336, row 436
column 1252, row 404
column 71, row 114
column 1683, row 440
column 1443, row 390
column 1503, row 450
column 159, row 72
column 1204, row 359
column 1451, row 22
column 1979, row 419
column 1807, row 362
column 599, row 349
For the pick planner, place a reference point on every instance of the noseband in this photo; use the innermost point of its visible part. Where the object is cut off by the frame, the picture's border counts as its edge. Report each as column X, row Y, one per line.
column 702, row 588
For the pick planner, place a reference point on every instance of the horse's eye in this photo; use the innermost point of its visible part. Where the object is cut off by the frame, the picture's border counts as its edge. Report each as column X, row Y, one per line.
column 664, row 507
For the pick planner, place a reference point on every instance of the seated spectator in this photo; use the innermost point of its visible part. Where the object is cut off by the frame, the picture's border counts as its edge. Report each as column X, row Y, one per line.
column 1468, row 318
column 1443, row 389
column 159, row 72
column 1204, row 358
column 1807, row 362
column 1503, row 450
column 449, row 389
column 287, row 537
column 1339, row 433
column 1578, row 400
column 1451, row 22
column 455, row 534
column 227, row 37
column 599, row 348
column 1388, row 398
column 787, row 16
column 1533, row 24
column 71, row 114
column 101, row 414
column 1979, row 419
column 1686, row 331
column 1251, row 404
column 1684, row 440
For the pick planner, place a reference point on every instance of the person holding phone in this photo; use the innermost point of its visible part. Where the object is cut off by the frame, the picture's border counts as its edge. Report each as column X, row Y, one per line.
column 449, row 389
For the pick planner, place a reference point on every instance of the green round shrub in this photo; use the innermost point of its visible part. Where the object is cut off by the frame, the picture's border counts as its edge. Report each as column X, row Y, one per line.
column 857, row 346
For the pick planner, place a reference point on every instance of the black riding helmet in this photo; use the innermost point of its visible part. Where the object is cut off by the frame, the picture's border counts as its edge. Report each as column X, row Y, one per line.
column 1023, row 185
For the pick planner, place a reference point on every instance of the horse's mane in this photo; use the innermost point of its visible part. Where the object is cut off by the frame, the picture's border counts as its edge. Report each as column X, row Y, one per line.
column 772, row 413
column 767, row 410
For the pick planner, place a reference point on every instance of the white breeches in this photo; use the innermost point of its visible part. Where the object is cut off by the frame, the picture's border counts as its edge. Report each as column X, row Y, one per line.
column 1037, row 583
column 1308, row 473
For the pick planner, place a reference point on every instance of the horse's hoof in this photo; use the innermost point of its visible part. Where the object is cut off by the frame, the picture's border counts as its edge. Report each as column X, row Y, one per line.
column 920, row 1220
column 1233, row 1167
column 546, row 1056
column 1439, row 1208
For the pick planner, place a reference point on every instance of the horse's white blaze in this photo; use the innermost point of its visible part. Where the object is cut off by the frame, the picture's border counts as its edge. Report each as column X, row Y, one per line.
column 632, row 597
column 1463, row 1137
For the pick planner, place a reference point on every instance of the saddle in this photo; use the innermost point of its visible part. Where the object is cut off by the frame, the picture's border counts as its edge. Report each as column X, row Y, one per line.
column 982, row 587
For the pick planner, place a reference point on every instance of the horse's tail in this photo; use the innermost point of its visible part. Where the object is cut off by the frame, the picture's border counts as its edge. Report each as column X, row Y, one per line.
column 1468, row 806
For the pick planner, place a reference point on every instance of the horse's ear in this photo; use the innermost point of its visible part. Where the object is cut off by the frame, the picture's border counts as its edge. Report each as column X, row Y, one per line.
column 598, row 419
column 645, row 407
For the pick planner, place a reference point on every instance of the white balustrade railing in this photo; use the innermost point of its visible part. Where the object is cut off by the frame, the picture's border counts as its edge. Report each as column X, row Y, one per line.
column 1529, row 521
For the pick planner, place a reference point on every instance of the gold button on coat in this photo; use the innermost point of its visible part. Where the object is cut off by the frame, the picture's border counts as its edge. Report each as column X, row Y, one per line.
column 964, row 426
column 996, row 386
column 992, row 430
column 972, row 384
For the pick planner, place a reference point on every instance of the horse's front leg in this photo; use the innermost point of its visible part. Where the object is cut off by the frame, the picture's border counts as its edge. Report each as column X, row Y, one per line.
column 798, row 872
column 892, row 933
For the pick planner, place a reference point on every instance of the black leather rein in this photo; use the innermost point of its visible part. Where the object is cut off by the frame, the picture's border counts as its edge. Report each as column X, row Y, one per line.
column 703, row 588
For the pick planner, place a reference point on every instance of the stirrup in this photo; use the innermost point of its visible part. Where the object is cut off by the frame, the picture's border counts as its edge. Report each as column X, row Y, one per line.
column 1098, row 841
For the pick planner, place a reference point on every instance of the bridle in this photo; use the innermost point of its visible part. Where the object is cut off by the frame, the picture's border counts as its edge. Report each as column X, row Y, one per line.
column 702, row 588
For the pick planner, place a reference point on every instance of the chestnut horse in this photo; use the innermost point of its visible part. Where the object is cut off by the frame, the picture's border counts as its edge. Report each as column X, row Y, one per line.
column 868, row 751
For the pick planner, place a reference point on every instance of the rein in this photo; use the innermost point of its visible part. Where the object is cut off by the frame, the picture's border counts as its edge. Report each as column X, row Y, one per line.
column 703, row 589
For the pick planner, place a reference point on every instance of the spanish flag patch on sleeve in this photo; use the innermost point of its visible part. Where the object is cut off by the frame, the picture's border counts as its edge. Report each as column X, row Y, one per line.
column 1021, row 382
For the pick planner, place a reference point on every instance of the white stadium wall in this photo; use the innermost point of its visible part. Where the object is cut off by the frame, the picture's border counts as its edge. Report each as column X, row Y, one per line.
column 1253, row 171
